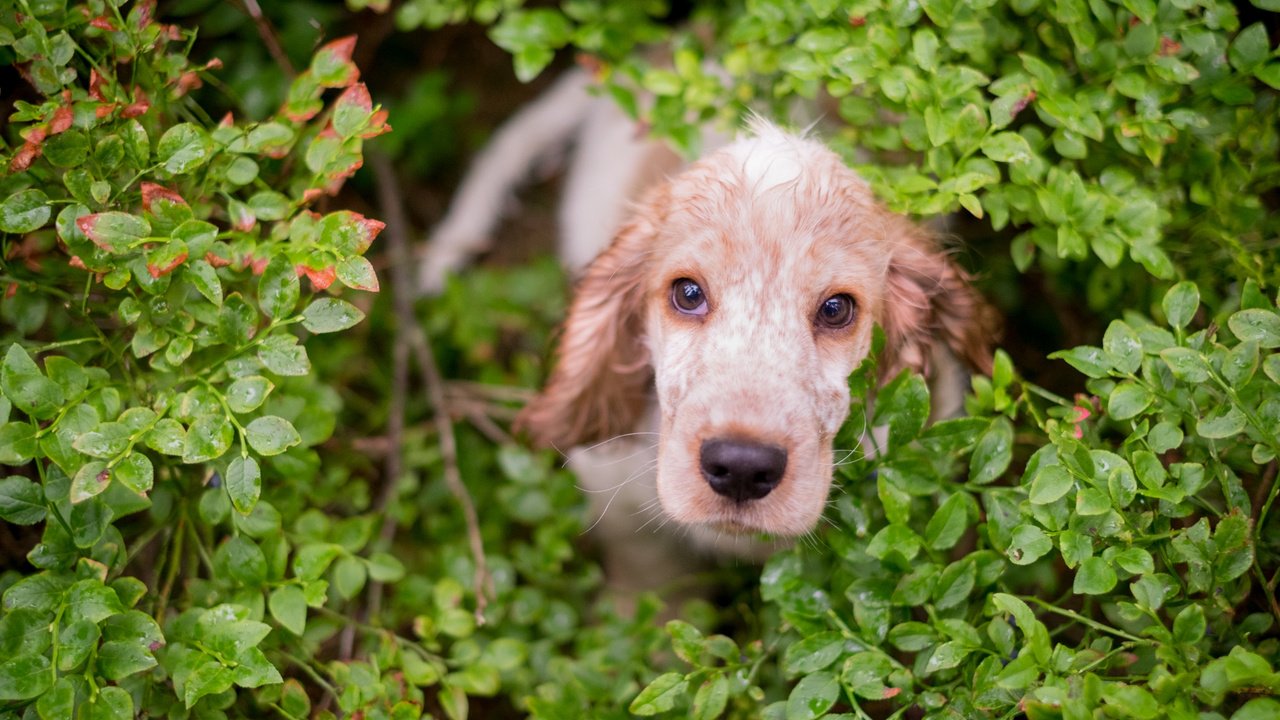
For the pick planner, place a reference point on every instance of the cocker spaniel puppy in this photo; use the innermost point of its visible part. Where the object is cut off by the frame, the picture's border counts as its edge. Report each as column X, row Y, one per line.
column 705, row 357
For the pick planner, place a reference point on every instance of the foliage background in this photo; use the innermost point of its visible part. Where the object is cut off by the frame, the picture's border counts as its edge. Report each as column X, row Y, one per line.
column 204, row 520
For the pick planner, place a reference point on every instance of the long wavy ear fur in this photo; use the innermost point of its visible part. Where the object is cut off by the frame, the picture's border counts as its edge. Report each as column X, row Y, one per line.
column 601, row 381
column 928, row 299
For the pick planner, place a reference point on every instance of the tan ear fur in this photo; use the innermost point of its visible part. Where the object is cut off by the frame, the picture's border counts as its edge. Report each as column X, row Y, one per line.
column 929, row 299
column 601, row 381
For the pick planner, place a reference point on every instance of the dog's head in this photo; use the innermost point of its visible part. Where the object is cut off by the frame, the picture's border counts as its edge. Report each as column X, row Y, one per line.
column 744, row 291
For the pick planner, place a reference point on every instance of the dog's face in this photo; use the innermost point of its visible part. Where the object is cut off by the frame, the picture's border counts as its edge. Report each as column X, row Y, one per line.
column 743, row 293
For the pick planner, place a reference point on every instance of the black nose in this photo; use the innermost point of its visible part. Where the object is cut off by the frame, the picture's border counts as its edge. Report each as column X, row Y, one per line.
column 742, row 470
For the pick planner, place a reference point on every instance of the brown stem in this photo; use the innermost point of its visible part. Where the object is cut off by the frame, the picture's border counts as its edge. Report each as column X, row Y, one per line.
column 269, row 37
column 408, row 330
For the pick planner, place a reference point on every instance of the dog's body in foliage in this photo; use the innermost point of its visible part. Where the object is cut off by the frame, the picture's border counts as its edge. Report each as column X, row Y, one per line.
column 701, row 374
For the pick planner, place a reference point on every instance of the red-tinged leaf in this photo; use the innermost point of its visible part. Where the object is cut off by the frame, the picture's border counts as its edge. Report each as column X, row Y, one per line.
column 356, row 272
column 377, row 125
column 332, row 66
column 187, row 82
column 25, row 156
column 227, row 120
column 34, row 133
column 258, row 264
column 217, row 260
column 151, row 192
column 214, row 64
column 357, row 95
column 102, row 22
column 351, row 111
column 311, row 194
column 242, row 218
column 320, row 279
column 104, row 109
column 891, row 692
column 167, row 265
column 10, row 291
column 140, row 105
column 95, row 86
column 113, row 231
column 349, row 233
column 143, row 12
column 61, row 120
column 77, row 263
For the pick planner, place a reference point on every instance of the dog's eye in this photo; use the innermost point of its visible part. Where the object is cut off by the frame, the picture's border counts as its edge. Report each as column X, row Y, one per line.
column 688, row 298
column 836, row 311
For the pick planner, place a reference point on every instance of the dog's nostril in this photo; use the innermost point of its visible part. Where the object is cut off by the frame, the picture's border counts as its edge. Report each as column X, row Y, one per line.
column 741, row 470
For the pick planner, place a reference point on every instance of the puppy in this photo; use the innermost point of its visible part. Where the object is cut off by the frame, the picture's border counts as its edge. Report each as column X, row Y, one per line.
column 702, row 369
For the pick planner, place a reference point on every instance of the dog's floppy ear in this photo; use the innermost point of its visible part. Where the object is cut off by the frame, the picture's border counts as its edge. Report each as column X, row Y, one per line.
column 600, row 384
column 929, row 300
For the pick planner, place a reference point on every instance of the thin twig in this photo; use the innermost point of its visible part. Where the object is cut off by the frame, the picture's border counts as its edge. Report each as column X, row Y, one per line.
column 392, row 206
column 268, row 35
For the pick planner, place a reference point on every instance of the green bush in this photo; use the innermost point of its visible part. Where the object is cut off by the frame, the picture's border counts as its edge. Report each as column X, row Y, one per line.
column 198, row 488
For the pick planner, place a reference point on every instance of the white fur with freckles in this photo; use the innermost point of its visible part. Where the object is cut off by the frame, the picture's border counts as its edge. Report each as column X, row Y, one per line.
column 769, row 226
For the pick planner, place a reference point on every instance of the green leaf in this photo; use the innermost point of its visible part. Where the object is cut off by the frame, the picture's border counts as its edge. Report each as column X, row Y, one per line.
column 244, row 483
column 384, row 567
column 135, row 472
column 1007, row 147
column 993, row 452
column 26, row 387
column 813, row 696
column 288, row 606
column 1250, row 48
column 247, row 394
column 282, row 355
column 1189, row 626
column 660, row 695
column 183, row 148
column 205, row 279
column 21, row 501
column 1186, row 364
column 1095, row 576
column 1128, row 399
column 271, row 435
column 1180, row 303
column 58, row 702
column 1223, row 421
column 946, row 656
column 711, row 698
column 91, row 600
column 1131, row 701
column 1123, row 348
column 242, row 560
column 1028, row 544
column 207, row 439
column 327, row 315
column 278, row 289
column 25, row 211
column 812, row 653
column 90, row 480
column 1050, row 483
column 18, row 442
column 349, row 576
column 1262, row 326
column 112, row 703
column 25, row 678
column 948, row 524
column 167, row 437
column 1087, row 359
column 903, row 404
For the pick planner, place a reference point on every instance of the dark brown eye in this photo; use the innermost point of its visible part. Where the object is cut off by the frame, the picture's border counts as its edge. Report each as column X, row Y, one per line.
column 687, row 297
column 836, row 311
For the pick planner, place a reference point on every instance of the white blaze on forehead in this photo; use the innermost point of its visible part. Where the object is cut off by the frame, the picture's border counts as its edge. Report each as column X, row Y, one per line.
column 770, row 157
